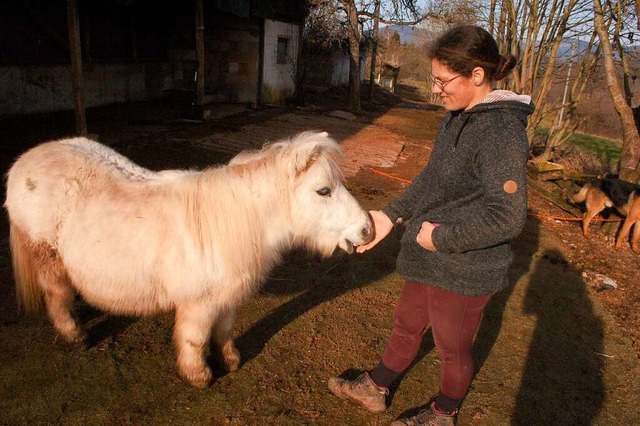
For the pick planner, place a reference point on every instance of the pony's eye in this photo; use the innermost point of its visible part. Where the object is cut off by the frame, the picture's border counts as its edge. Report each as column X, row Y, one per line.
column 324, row 192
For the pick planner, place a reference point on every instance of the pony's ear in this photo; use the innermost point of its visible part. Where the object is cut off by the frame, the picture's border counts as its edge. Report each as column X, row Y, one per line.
column 307, row 148
column 305, row 158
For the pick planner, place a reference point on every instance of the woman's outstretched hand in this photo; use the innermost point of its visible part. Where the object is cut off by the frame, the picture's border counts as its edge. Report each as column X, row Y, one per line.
column 382, row 225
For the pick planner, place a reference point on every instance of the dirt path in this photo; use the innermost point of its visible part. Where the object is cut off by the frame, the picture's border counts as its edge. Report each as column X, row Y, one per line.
column 549, row 350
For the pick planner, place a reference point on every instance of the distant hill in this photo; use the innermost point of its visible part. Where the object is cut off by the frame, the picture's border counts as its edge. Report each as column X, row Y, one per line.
column 580, row 46
column 566, row 46
column 417, row 35
column 409, row 34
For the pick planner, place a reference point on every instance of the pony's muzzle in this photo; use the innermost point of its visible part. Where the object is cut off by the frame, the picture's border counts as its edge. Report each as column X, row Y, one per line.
column 366, row 233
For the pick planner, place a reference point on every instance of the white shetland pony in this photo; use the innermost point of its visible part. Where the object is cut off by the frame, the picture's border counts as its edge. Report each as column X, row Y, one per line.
column 133, row 241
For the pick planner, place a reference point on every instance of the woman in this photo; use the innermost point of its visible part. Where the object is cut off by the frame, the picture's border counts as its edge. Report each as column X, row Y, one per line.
column 465, row 207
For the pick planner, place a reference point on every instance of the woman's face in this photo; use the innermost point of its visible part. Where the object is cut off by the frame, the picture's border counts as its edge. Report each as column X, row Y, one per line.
column 456, row 91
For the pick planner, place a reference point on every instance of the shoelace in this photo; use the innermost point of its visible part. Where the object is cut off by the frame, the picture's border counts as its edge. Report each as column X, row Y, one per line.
column 360, row 380
column 365, row 380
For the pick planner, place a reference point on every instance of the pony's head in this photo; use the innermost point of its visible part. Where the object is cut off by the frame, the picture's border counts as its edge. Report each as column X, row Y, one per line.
column 323, row 215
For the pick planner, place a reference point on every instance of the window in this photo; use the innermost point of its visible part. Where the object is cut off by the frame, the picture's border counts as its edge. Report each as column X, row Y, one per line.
column 282, row 50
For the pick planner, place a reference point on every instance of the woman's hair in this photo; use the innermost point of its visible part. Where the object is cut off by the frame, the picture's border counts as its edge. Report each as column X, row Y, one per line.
column 463, row 48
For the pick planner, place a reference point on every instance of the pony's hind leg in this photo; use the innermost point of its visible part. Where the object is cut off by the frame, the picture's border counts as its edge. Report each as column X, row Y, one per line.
column 58, row 293
column 223, row 337
column 192, row 334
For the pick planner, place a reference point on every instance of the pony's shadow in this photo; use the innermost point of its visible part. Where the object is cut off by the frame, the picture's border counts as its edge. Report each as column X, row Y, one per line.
column 350, row 273
column 317, row 281
column 99, row 325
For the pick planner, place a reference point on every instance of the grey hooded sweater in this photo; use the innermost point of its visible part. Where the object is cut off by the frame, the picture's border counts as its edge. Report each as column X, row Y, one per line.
column 474, row 186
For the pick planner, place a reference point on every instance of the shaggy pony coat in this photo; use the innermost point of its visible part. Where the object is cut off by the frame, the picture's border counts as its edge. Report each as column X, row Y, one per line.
column 133, row 241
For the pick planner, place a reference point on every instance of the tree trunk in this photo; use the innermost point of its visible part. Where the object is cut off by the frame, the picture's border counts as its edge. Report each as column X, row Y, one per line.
column 544, row 86
column 354, row 55
column 630, row 157
column 374, row 48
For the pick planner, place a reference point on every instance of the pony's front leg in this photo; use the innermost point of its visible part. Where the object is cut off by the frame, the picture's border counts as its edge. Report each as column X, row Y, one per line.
column 223, row 338
column 192, row 334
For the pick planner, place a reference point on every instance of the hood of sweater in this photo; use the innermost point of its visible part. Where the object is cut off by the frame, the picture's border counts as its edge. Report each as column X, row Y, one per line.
column 506, row 101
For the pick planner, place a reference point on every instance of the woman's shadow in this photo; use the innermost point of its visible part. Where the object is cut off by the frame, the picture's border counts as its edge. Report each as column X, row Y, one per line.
column 562, row 382
column 561, row 379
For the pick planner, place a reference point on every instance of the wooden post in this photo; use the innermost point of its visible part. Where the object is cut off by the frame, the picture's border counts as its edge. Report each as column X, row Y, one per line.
column 374, row 48
column 76, row 66
column 199, row 53
column 259, row 97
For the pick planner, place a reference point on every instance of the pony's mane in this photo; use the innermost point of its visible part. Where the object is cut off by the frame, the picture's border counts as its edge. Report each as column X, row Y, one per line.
column 300, row 148
column 268, row 170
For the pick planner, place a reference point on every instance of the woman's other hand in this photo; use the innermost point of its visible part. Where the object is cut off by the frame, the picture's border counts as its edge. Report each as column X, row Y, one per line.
column 424, row 237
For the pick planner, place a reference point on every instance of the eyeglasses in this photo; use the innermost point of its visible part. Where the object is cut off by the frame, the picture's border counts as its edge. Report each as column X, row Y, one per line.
column 442, row 84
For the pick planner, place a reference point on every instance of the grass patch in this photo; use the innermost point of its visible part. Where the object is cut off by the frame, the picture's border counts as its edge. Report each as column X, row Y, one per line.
column 607, row 150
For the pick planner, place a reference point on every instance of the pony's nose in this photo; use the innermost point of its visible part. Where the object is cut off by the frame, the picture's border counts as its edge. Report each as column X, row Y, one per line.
column 366, row 233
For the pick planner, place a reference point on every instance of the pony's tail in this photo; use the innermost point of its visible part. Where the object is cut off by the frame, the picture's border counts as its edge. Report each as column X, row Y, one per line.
column 29, row 295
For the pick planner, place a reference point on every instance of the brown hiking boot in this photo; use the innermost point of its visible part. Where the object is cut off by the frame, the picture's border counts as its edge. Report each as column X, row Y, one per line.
column 429, row 417
column 362, row 390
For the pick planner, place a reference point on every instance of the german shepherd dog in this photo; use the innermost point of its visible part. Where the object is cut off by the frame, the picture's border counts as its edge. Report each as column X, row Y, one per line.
column 612, row 192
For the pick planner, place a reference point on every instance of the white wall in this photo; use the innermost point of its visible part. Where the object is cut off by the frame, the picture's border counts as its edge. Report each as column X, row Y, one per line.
column 279, row 79
column 340, row 70
column 29, row 89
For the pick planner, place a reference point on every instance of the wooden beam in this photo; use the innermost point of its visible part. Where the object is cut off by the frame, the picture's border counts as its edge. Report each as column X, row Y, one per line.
column 199, row 52
column 259, row 97
column 555, row 198
column 76, row 66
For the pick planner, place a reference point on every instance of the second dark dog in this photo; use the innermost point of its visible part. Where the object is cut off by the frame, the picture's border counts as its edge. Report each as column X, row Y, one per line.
column 612, row 192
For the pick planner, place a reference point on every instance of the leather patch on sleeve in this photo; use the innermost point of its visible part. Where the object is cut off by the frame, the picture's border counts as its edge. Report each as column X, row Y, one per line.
column 510, row 187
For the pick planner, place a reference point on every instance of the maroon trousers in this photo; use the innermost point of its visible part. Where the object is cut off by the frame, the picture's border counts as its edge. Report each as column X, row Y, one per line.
column 454, row 319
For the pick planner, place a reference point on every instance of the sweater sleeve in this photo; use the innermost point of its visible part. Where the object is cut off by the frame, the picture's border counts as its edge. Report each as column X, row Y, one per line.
column 404, row 206
column 500, row 165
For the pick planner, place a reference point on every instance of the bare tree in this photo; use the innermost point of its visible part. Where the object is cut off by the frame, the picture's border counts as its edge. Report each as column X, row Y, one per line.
column 390, row 47
column 536, row 32
column 354, row 36
column 630, row 158
column 374, row 46
column 353, row 15
column 575, row 90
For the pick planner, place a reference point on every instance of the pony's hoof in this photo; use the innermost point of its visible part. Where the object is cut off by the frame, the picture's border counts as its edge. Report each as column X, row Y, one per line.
column 80, row 343
column 80, row 338
column 77, row 339
column 232, row 363
column 231, row 358
column 198, row 378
